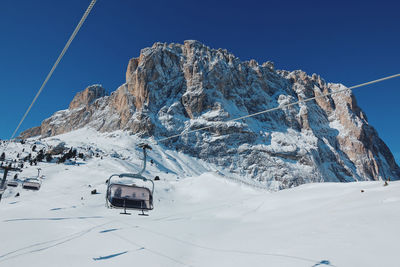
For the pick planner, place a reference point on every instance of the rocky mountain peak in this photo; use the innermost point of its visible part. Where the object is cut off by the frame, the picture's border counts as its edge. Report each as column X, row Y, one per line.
column 173, row 88
column 87, row 96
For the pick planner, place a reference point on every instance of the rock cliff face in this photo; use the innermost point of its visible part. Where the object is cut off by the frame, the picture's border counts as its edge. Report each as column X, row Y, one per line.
column 171, row 88
column 87, row 96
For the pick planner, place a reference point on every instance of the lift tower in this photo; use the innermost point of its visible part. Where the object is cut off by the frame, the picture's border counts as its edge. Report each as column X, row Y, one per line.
column 6, row 168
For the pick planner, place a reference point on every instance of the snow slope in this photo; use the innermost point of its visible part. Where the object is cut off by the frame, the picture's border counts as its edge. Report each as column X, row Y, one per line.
column 201, row 218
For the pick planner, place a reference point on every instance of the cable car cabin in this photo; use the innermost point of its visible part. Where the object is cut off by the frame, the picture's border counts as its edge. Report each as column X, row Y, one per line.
column 130, row 197
column 31, row 184
column 12, row 183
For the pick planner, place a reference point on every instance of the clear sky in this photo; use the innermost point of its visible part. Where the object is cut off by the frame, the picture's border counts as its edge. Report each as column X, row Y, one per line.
column 349, row 42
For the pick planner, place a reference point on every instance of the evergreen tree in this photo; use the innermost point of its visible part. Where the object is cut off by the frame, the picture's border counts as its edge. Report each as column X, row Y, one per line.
column 49, row 158
column 40, row 156
column 74, row 153
column 61, row 160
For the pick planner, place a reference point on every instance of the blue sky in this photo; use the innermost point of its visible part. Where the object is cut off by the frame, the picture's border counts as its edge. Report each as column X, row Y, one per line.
column 344, row 41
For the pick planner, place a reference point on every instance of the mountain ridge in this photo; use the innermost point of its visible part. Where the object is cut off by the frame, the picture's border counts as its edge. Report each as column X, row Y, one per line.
column 172, row 88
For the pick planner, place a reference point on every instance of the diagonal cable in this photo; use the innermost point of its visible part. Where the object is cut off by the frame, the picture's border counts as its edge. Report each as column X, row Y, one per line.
column 71, row 38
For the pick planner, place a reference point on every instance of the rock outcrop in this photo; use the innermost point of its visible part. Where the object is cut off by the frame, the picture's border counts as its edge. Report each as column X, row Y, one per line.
column 173, row 88
column 87, row 96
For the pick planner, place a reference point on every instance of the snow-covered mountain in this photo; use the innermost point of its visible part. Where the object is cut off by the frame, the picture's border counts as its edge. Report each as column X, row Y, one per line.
column 172, row 88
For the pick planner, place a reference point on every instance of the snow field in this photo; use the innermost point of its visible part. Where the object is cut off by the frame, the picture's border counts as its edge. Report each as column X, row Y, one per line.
column 200, row 218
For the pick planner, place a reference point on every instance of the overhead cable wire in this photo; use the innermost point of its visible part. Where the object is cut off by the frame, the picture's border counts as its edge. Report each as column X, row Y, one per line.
column 283, row 106
column 71, row 38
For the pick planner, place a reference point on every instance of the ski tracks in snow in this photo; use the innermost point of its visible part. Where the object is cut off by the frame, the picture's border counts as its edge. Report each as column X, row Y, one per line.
column 232, row 251
column 37, row 247
column 138, row 246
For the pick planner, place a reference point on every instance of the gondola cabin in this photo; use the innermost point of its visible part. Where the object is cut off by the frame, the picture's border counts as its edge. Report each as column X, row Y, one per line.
column 31, row 184
column 12, row 183
column 130, row 197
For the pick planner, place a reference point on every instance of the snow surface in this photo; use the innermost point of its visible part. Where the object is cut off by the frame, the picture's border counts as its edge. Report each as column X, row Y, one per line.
column 202, row 217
